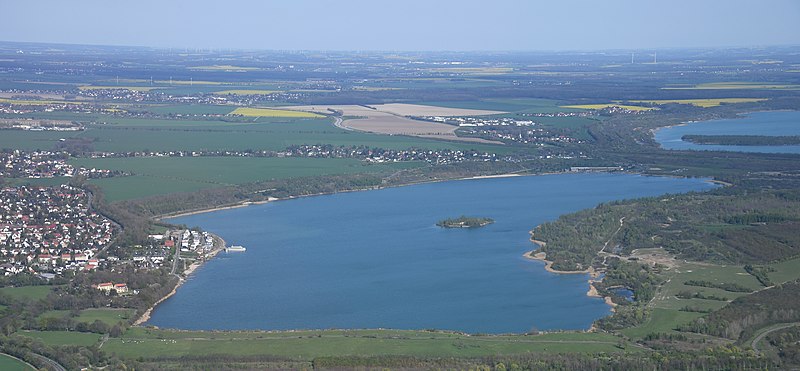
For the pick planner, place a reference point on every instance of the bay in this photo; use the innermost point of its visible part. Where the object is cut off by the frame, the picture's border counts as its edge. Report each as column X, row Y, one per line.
column 771, row 123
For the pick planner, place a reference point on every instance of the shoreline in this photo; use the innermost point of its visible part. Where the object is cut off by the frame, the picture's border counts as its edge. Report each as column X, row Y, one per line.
column 593, row 275
column 520, row 173
column 274, row 199
column 182, row 277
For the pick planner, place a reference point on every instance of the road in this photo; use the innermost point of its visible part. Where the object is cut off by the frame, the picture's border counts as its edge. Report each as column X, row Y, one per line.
column 338, row 123
column 49, row 363
column 757, row 339
column 175, row 260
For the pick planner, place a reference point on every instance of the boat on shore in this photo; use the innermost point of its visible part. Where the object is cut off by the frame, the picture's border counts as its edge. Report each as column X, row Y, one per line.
column 235, row 248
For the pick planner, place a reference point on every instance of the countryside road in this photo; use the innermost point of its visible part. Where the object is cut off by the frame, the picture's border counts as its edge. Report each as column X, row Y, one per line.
column 754, row 343
column 50, row 364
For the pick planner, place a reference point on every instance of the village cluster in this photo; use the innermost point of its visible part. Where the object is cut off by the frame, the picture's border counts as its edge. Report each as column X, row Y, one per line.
column 49, row 230
column 44, row 164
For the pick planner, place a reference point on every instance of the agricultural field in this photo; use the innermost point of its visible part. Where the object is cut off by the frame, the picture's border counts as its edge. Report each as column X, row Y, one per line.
column 9, row 363
column 105, row 87
column 163, row 175
column 269, row 112
column 246, row 92
column 307, row 345
column 62, row 337
column 263, row 133
column 389, row 119
column 705, row 103
column 190, row 109
column 226, row 68
column 511, row 105
column 735, row 86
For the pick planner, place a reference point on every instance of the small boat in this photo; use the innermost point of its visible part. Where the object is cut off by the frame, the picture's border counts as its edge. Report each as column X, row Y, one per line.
column 235, row 248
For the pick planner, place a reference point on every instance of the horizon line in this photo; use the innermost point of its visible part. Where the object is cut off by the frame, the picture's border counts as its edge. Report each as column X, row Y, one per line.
column 240, row 49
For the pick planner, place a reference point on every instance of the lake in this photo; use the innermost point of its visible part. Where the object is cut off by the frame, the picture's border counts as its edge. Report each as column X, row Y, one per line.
column 376, row 259
column 773, row 123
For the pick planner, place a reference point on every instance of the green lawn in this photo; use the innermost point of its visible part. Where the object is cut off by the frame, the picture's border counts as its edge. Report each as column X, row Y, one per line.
column 26, row 292
column 163, row 175
column 62, row 337
column 8, row 363
column 310, row 344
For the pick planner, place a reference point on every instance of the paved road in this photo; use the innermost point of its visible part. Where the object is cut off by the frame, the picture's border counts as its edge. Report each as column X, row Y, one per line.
column 754, row 343
column 50, row 364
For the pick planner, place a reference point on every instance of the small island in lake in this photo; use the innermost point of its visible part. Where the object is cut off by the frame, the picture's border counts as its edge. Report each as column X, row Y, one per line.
column 465, row 222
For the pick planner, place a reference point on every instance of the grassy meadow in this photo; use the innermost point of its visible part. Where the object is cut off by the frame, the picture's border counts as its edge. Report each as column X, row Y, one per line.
column 148, row 343
column 9, row 363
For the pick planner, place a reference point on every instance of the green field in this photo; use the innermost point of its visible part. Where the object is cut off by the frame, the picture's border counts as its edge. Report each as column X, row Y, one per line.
column 666, row 314
column 163, row 175
column 190, row 109
column 265, row 133
column 109, row 316
column 8, row 363
column 26, row 292
column 269, row 112
column 44, row 182
column 785, row 271
column 148, row 343
column 735, row 85
column 63, row 337
column 661, row 321
column 121, row 134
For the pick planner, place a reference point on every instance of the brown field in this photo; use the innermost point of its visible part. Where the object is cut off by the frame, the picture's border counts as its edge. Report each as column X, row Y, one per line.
column 390, row 119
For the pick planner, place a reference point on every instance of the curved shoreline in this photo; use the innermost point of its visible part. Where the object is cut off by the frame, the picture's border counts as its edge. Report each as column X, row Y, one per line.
column 181, row 279
column 272, row 199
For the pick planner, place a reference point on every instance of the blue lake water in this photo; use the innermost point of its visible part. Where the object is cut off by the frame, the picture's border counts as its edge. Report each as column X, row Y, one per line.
column 773, row 123
column 375, row 259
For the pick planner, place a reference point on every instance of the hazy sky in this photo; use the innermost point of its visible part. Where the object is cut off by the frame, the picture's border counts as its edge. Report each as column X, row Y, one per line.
column 405, row 24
